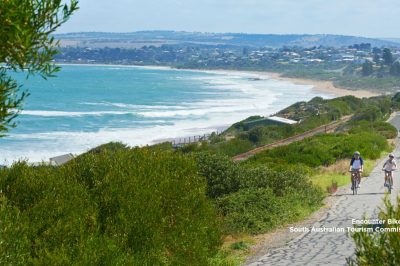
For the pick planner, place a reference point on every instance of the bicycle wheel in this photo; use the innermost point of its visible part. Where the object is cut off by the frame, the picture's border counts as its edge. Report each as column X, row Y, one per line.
column 354, row 184
column 390, row 185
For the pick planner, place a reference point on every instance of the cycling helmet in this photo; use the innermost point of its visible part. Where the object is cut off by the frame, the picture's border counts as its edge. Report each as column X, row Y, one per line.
column 357, row 153
column 391, row 155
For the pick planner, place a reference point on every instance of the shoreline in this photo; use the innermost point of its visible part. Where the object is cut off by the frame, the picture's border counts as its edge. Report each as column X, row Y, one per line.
column 261, row 75
column 325, row 87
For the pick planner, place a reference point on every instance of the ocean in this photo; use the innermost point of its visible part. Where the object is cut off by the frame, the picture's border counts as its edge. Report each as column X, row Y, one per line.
column 88, row 105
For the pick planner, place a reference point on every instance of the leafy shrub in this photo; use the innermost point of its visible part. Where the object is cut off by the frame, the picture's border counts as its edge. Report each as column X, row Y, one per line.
column 370, row 113
column 134, row 207
column 214, row 138
column 110, row 147
column 240, row 246
column 222, row 174
column 261, row 135
column 383, row 128
column 188, row 148
column 250, row 210
column 282, row 182
column 260, row 210
column 384, row 103
column 163, row 146
column 324, row 149
column 251, row 199
column 379, row 248
column 233, row 147
column 346, row 104
column 241, row 125
column 396, row 101
column 14, row 242
column 256, row 134
column 318, row 107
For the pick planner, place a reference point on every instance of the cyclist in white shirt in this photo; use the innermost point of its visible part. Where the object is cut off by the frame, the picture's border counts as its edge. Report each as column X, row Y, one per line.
column 389, row 166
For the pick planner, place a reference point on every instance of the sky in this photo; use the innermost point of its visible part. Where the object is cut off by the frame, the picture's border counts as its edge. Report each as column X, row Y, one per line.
column 369, row 18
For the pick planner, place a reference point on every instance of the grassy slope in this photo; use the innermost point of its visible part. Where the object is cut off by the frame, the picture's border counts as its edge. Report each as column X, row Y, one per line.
column 337, row 175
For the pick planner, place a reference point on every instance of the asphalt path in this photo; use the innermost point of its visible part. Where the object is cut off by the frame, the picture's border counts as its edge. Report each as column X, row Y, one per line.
column 331, row 246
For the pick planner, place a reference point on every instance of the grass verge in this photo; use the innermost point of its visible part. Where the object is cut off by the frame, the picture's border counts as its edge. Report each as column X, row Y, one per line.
column 334, row 176
column 234, row 250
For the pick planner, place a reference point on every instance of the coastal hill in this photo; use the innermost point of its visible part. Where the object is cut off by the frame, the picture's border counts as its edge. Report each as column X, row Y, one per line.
column 396, row 40
column 158, row 38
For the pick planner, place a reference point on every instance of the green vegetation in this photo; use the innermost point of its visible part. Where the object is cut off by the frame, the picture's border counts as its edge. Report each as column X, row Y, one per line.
column 128, row 207
column 374, row 83
column 109, row 147
column 117, row 205
column 317, row 112
column 337, row 175
column 368, row 114
column 382, row 128
column 324, row 154
column 381, row 74
column 323, row 150
column 379, row 248
column 352, row 76
column 367, row 68
column 160, row 206
column 256, row 199
column 26, row 45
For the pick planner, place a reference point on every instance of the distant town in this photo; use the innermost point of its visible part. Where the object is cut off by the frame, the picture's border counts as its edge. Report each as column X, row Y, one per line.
column 230, row 57
column 374, row 65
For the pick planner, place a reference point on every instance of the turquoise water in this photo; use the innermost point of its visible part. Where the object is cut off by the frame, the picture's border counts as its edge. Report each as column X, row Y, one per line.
column 85, row 106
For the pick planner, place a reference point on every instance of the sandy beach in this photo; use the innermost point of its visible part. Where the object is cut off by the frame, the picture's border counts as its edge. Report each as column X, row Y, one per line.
column 323, row 86
column 318, row 85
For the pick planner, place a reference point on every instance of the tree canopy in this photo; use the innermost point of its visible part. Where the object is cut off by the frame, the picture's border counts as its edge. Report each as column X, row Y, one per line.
column 367, row 68
column 27, row 45
column 395, row 69
column 387, row 56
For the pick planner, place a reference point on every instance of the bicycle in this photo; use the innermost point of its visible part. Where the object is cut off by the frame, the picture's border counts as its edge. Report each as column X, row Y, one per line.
column 355, row 180
column 389, row 184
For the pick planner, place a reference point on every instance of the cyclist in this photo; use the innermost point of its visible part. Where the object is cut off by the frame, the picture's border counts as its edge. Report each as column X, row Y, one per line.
column 356, row 165
column 388, row 167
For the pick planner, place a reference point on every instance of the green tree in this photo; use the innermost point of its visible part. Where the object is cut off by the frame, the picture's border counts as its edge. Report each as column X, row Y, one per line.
column 26, row 45
column 376, row 54
column 395, row 69
column 367, row 68
column 387, row 56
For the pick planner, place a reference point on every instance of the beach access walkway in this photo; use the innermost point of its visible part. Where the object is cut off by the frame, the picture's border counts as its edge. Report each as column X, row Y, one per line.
column 321, row 129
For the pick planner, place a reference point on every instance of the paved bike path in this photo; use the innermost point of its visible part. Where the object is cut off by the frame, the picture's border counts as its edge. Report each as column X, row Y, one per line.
column 327, row 248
